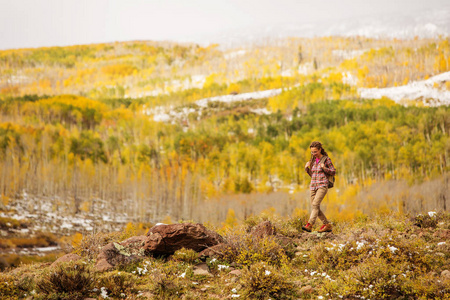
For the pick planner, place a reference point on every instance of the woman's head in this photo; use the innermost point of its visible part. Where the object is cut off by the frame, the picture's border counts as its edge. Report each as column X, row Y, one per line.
column 317, row 149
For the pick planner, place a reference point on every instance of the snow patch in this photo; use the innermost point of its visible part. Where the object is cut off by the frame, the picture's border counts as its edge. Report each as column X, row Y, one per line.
column 348, row 54
column 348, row 78
column 239, row 97
column 424, row 90
column 235, row 54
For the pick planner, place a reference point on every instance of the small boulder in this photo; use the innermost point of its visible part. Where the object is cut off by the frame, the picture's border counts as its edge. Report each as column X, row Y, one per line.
column 66, row 258
column 125, row 252
column 443, row 234
column 283, row 241
column 237, row 273
column 213, row 251
column 445, row 275
column 306, row 290
column 166, row 239
column 202, row 269
column 202, row 266
column 264, row 229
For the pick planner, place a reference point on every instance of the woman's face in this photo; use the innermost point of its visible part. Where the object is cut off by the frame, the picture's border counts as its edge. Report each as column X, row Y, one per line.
column 315, row 152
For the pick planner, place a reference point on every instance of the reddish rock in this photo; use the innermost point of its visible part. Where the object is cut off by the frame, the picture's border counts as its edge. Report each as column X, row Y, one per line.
column 263, row 229
column 236, row 273
column 212, row 251
column 283, row 240
column 306, row 290
column 66, row 258
column 443, row 234
column 166, row 239
column 125, row 252
column 103, row 265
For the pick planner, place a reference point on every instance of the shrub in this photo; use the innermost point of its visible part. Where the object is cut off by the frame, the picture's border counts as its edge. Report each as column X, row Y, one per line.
column 8, row 223
column 40, row 240
column 118, row 284
column 247, row 249
column 376, row 278
column 287, row 227
column 7, row 287
column 187, row 255
column 72, row 279
column 90, row 245
column 215, row 266
column 425, row 221
column 166, row 286
column 261, row 281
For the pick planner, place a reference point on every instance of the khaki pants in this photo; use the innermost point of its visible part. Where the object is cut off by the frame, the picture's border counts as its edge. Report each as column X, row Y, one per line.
column 316, row 198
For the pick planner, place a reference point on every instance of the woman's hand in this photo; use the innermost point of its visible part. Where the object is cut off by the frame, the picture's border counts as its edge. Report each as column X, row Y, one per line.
column 307, row 164
column 322, row 165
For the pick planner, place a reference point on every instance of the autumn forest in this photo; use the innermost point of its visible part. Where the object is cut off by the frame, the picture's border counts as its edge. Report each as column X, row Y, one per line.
column 80, row 128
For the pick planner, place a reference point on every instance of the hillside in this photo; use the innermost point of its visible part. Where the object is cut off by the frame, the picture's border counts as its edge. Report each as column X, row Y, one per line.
column 385, row 257
column 95, row 137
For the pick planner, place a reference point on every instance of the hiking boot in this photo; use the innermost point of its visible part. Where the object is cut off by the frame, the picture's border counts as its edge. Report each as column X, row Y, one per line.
column 325, row 228
column 307, row 227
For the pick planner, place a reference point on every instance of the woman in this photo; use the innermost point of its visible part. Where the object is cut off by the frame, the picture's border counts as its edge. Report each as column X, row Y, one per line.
column 318, row 168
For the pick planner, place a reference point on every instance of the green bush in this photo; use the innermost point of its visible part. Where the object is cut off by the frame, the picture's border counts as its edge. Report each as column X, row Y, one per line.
column 7, row 287
column 376, row 278
column 262, row 281
column 72, row 279
column 247, row 249
column 166, row 286
column 118, row 284
column 187, row 255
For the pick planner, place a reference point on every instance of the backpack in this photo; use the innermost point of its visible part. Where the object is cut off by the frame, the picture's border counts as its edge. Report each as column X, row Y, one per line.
column 331, row 178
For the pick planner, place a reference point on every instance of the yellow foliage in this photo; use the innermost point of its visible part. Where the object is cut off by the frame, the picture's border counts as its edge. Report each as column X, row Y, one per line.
column 230, row 220
column 167, row 220
column 85, row 206
column 5, row 199
column 118, row 70
column 76, row 239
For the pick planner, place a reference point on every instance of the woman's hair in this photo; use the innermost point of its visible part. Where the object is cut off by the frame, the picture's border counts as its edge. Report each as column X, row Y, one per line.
column 319, row 146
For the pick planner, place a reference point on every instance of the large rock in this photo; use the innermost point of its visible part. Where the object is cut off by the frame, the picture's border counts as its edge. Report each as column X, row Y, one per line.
column 166, row 239
column 126, row 252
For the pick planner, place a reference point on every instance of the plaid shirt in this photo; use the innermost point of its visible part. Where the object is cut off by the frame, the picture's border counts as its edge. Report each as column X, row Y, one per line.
column 318, row 177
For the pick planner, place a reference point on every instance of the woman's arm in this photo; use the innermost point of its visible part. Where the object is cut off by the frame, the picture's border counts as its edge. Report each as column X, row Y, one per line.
column 328, row 167
column 308, row 169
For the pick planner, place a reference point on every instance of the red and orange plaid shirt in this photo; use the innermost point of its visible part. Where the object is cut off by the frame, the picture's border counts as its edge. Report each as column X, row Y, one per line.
column 318, row 177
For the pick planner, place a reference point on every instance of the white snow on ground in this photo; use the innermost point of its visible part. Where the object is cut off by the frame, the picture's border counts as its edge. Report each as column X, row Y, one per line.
column 234, row 54
column 306, row 68
column 424, row 90
column 261, row 111
column 239, row 97
column 168, row 114
column 348, row 78
column 348, row 54
column 195, row 81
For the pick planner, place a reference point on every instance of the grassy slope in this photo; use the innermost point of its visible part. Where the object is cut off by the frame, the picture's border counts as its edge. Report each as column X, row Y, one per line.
column 386, row 257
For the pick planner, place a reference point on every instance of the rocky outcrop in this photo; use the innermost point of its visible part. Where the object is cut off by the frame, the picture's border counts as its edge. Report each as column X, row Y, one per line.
column 264, row 229
column 114, row 254
column 166, row 239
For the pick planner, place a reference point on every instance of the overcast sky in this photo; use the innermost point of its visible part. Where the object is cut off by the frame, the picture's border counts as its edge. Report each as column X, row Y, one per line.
column 37, row 23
